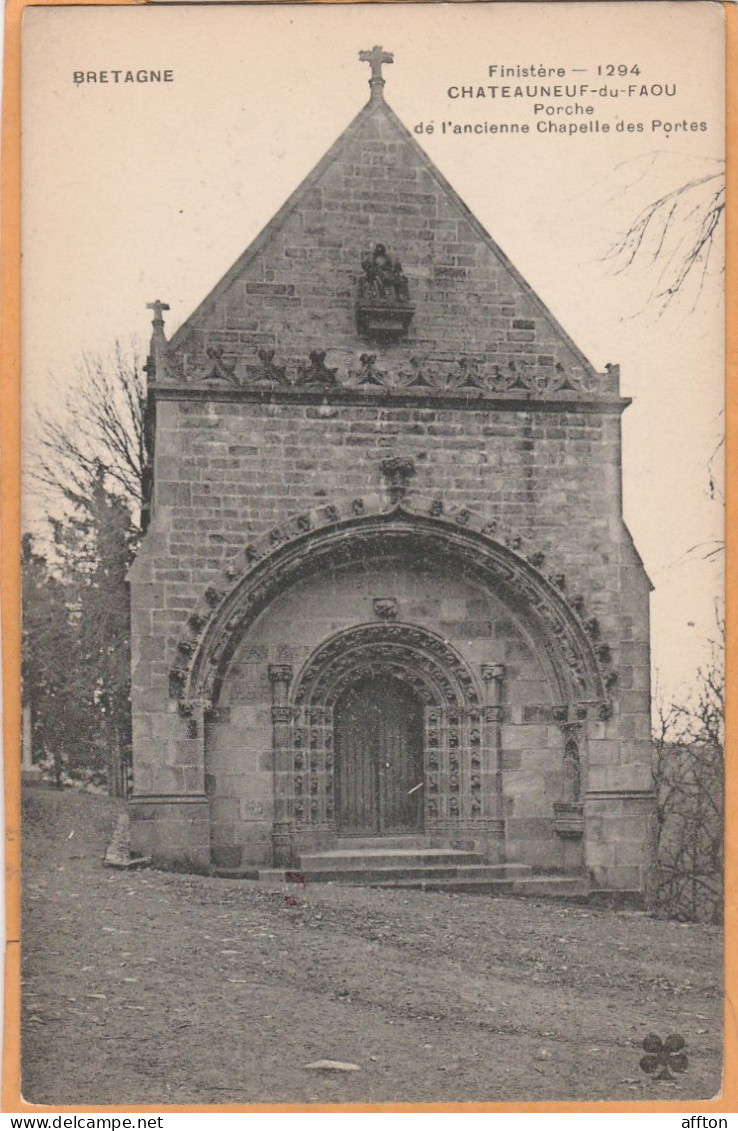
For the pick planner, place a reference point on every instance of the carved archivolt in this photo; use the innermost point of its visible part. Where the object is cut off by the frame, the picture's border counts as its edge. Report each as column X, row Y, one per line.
column 434, row 669
column 364, row 528
column 457, row 782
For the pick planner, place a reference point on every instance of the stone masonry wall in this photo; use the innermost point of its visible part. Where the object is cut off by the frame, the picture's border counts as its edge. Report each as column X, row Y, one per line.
column 295, row 290
column 238, row 755
column 226, row 472
column 229, row 466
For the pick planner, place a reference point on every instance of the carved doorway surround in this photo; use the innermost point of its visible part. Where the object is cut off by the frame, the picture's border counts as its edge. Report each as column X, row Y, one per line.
column 458, row 795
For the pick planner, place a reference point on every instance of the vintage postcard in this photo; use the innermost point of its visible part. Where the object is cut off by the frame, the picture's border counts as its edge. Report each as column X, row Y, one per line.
column 372, row 554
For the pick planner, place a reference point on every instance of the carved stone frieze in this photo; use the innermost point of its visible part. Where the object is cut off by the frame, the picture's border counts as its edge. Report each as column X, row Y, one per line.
column 270, row 372
column 219, row 368
column 328, row 534
column 382, row 317
column 317, row 372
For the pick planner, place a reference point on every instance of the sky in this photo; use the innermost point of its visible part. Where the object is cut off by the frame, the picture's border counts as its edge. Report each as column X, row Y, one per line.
column 136, row 191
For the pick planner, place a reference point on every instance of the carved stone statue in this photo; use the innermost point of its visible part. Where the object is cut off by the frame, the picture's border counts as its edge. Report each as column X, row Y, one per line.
column 383, row 309
column 383, row 280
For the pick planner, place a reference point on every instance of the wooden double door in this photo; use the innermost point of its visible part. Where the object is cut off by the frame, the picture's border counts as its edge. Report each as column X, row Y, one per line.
column 378, row 734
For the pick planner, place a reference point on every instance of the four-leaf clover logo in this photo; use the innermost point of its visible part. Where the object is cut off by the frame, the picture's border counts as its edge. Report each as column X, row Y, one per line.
column 664, row 1057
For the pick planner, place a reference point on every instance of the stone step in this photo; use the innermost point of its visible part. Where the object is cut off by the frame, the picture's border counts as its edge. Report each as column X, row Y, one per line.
column 541, row 886
column 361, row 843
column 471, row 879
column 369, row 874
column 483, row 879
column 499, row 871
column 376, row 876
column 246, row 874
column 400, row 858
column 395, row 877
column 551, row 885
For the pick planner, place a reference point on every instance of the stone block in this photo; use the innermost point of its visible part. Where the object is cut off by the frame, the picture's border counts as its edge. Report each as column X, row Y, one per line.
column 165, row 780
column 631, row 853
column 602, row 752
column 631, row 776
column 529, row 828
column 174, row 832
column 224, row 810
column 226, row 855
column 532, row 738
column 615, row 878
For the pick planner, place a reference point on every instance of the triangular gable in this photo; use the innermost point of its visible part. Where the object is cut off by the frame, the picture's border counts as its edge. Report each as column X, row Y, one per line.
column 298, row 298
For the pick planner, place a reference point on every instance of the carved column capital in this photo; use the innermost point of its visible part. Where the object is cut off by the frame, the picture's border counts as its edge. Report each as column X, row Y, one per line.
column 570, row 729
column 493, row 671
column 280, row 673
column 570, row 716
column 192, row 708
column 281, row 714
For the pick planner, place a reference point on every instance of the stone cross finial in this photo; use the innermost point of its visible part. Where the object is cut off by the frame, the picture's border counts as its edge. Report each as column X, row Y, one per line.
column 158, row 308
column 376, row 58
column 156, row 363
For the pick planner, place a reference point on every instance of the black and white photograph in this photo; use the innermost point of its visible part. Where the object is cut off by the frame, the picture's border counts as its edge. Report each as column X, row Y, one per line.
column 372, row 557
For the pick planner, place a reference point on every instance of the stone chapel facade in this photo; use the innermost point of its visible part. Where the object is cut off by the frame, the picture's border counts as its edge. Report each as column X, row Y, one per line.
column 386, row 588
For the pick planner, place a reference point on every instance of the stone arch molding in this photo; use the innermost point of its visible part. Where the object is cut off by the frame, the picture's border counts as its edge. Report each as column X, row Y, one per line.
column 457, row 780
column 339, row 534
column 435, row 670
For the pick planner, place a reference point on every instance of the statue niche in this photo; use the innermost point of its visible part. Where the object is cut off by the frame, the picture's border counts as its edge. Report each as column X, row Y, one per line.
column 569, row 811
column 383, row 310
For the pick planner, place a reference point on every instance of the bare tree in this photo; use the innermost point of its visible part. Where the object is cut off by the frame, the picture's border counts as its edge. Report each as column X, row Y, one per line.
column 97, row 430
column 688, row 773
column 90, row 467
column 676, row 233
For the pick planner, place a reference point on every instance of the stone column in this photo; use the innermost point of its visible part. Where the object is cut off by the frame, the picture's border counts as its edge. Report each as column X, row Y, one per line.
column 494, row 677
column 280, row 676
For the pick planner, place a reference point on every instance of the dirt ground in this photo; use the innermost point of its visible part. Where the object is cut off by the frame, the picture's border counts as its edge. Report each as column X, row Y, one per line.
column 149, row 987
